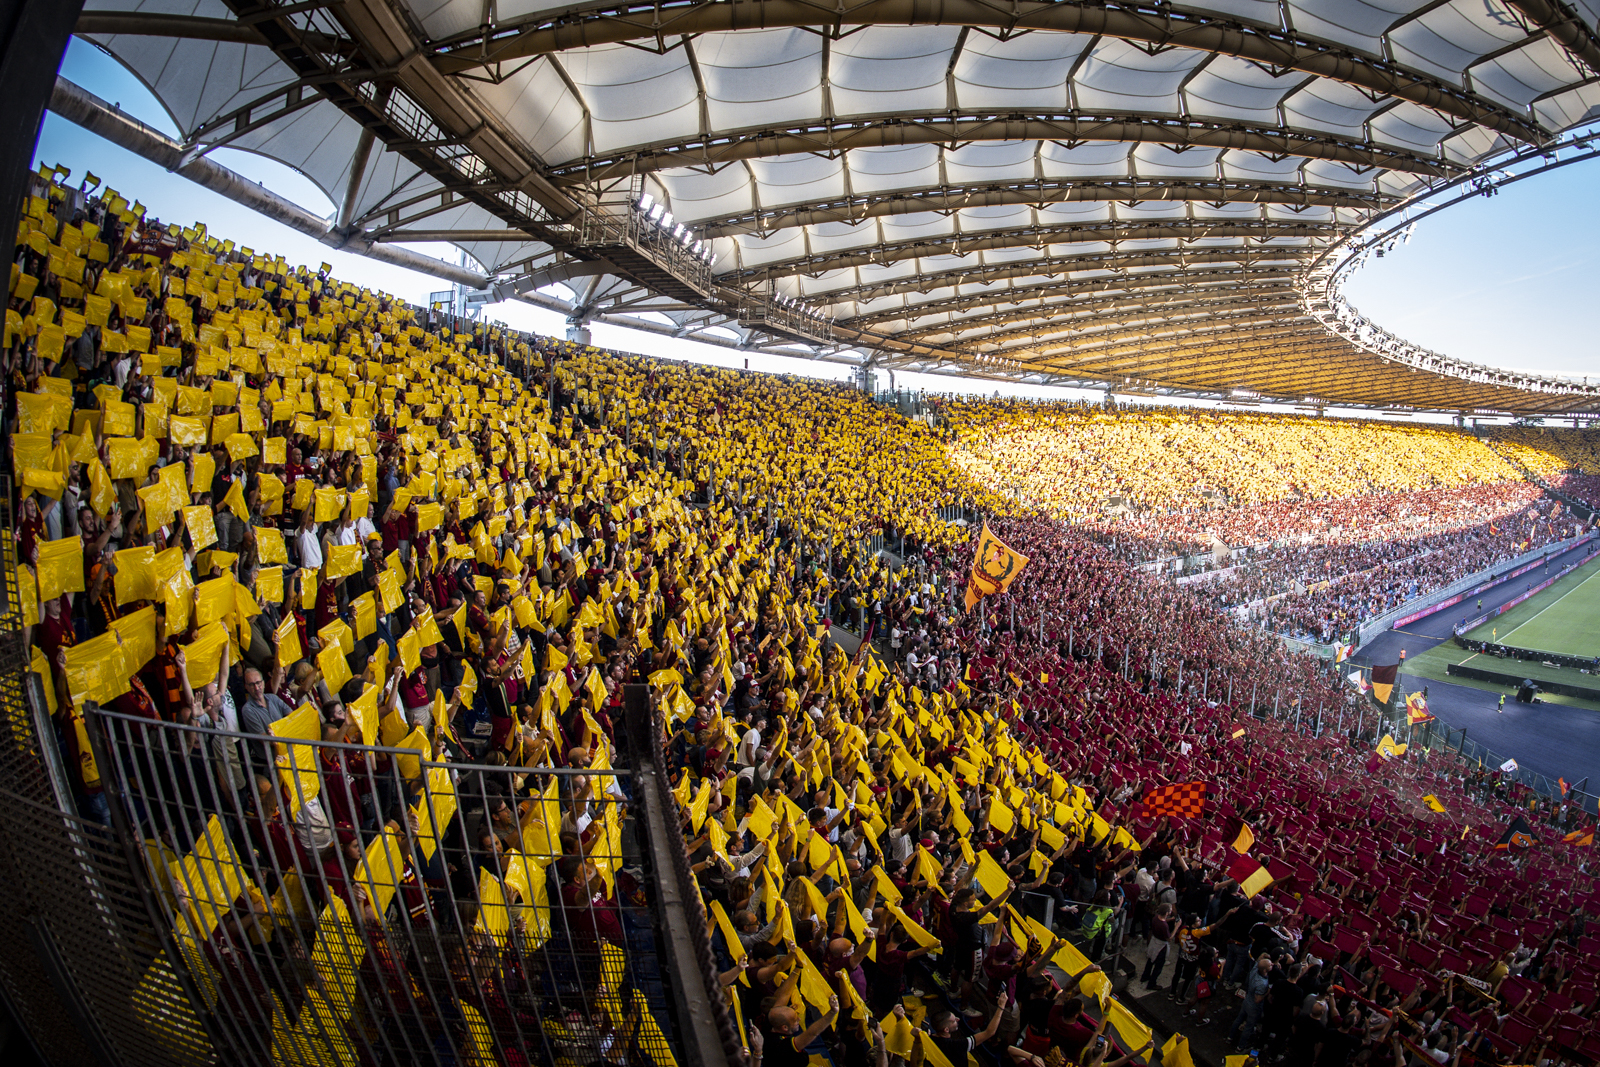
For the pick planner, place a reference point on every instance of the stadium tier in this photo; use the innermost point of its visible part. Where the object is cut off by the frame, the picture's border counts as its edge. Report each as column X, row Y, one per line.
column 1549, row 452
column 1073, row 459
column 449, row 695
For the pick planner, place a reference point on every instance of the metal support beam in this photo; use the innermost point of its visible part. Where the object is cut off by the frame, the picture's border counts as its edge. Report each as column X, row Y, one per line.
column 1039, row 193
column 1042, row 237
column 156, row 24
column 1060, row 266
column 76, row 104
column 352, row 189
column 1073, row 291
column 1162, row 28
column 1565, row 26
column 830, row 136
column 1088, row 316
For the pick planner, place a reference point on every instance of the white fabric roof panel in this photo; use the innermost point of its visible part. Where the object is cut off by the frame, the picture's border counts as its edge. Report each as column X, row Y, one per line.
column 1003, row 217
column 842, row 236
column 1074, row 212
column 1094, row 159
column 1330, row 107
column 1359, row 24
column 635, row 97
column 695, row 196
column 1234, row 89
column 798, row 179
column 1159, row 161
column 756, row 250
column 317, row 141
column 1001, row 256
column 1518, row 78
column 1120, row 77
column 1155, row 210
column 197, row 81
column 922, row 225
column 1410, row 126
column 1446, row 40
column 1569, row 108
column 876, row 170
column 539, row 106
column 881, row 70
column 1001, row 161
column 760, row 78
column 1028, row 72
column 859, row 122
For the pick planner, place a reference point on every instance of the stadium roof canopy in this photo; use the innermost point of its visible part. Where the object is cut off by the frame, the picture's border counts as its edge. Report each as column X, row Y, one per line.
column 1067, row 192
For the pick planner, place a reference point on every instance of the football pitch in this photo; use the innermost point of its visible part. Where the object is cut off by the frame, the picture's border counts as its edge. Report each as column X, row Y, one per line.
column 1564, row 618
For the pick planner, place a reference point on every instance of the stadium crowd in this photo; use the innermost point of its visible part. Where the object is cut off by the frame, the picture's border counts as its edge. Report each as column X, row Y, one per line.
column 1339, row 520
column 253, row 500
column 1548, row 451
column 1407, row 510
column 1323, row 591
column 1071, row 458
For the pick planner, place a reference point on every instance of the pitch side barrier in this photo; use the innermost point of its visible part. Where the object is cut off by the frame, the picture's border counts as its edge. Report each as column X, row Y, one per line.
column 1472, row 624
column 1490, row 583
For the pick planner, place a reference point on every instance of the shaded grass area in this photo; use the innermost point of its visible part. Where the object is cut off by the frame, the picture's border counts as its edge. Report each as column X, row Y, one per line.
column 1432, row 663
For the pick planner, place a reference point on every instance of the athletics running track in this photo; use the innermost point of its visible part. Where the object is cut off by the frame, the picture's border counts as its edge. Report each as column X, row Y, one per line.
column 1550, row 739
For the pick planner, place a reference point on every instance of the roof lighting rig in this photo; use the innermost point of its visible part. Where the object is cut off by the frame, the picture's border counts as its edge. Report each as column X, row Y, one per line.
column 664, row 227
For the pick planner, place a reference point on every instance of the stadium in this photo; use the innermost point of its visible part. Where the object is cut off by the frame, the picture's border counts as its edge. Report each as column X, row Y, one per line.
column 1101, row 644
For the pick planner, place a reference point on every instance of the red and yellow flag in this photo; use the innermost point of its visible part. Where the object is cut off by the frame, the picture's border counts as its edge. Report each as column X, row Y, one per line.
column 994, row 567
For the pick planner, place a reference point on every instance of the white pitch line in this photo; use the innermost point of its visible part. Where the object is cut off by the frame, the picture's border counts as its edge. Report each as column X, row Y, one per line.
column 1553, row 603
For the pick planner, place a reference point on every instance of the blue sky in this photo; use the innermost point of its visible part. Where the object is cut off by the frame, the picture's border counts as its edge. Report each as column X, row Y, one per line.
column 1500, row 281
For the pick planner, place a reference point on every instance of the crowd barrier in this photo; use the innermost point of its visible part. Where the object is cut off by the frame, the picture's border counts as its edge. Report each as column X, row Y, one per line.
column 1452, row 743
column 1471, row 624
column 1386, row 621
column 1483, row 587
column 1514, row 679
column 363, row 905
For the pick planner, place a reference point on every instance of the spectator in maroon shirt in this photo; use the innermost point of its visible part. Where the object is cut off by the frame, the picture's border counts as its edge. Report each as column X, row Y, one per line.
column 591, row 916
column 54, row 631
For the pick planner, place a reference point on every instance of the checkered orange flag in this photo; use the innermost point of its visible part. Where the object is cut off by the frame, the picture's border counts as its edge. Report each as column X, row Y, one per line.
column 1185, row 800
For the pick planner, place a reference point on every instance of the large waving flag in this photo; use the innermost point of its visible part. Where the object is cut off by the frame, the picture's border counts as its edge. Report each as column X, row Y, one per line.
column 1519, row 833
column 994, row 567
column 1185, row 800
column 1417, row 709
column 1251, row 876
column 1383, row 679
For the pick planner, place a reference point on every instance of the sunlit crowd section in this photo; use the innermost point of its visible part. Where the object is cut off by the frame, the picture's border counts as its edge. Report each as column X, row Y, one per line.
column 269, row 513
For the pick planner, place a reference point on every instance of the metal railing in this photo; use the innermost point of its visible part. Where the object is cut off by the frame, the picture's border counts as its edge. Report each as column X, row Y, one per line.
column 330, row 902
column 1453, row 743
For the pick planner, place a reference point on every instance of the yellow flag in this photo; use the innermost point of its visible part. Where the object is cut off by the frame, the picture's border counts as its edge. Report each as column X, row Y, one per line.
column 990, row 876
column 931, row 1053
column 730, row 936
column 813, row 987
column 1134, row 1034
column 899, row 1038
column 994, row 567
column 1175, row 1053
column 1000, row 817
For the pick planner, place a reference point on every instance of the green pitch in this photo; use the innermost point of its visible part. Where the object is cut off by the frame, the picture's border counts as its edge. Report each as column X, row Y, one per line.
column 1564, row 618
